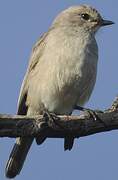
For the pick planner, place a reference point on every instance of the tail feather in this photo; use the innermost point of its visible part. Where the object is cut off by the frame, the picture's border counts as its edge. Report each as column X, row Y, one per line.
column 18, row 156
column 68, row 143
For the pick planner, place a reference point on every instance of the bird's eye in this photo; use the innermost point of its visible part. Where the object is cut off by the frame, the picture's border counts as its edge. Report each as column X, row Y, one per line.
column 85, row 16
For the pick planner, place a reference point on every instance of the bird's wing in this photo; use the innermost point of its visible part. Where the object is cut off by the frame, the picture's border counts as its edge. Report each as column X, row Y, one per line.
column 34, row 59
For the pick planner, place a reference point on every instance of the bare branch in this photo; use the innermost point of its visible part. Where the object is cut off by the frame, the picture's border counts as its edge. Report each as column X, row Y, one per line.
column 59, row 126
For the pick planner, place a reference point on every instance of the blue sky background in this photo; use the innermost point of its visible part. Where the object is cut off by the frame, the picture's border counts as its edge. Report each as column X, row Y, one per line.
column 94, row 157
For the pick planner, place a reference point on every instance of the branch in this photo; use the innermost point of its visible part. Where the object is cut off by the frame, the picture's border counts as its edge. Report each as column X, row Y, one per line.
column 59, row 126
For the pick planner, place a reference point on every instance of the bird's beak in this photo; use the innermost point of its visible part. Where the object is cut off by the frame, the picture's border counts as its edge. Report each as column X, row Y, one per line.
column 106, row 22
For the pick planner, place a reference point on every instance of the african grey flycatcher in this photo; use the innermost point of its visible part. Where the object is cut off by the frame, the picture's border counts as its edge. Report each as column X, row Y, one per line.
column 61, row 73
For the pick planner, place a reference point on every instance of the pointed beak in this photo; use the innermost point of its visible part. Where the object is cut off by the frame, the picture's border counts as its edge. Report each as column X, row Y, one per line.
column 106, row 22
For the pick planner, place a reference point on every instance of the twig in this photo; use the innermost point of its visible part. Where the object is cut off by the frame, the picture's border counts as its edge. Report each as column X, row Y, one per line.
column 59, row 126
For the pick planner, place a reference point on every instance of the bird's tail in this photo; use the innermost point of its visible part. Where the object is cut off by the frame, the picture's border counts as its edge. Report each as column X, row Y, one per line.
column 68, row 143
column 18, row 156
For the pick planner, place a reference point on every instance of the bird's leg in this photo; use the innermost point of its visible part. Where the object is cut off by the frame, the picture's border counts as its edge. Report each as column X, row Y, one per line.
column 91, row 112
column 47, row 121
column 48, row 117
column 43, row 126
column 51, row 118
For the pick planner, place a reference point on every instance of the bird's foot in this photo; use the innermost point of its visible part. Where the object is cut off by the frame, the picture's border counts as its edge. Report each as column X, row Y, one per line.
column 92, row 113
column 42, row 128
column 51, row 118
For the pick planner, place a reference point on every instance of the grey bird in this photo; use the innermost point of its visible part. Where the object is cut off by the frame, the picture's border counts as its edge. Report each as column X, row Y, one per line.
column 61, row 73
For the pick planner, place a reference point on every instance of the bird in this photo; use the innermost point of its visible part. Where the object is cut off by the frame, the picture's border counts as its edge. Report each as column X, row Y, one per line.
column 61, row 73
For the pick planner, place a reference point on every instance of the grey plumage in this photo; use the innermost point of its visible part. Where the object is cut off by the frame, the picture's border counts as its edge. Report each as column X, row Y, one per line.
column 61, row 73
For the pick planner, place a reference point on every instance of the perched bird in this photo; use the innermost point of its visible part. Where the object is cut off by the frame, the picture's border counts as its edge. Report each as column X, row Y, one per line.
column 61, row 73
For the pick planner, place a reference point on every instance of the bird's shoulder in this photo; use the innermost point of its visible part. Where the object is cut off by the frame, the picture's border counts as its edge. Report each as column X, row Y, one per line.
column 37, row 51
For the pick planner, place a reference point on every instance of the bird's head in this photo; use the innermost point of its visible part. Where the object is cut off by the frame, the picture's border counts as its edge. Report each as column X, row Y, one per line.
column 83, row 16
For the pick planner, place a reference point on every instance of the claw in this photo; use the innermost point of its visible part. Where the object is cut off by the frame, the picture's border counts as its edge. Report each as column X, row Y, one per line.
column 89, row 111
column 51, row 118
column 92, row 113
column 43, row 125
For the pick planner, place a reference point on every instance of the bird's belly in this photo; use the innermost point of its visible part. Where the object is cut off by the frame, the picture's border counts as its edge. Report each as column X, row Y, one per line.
column 72, row 90
column 60, row 92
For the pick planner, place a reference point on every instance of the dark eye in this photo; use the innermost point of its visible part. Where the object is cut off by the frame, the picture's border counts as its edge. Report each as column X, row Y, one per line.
column 85, row 16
